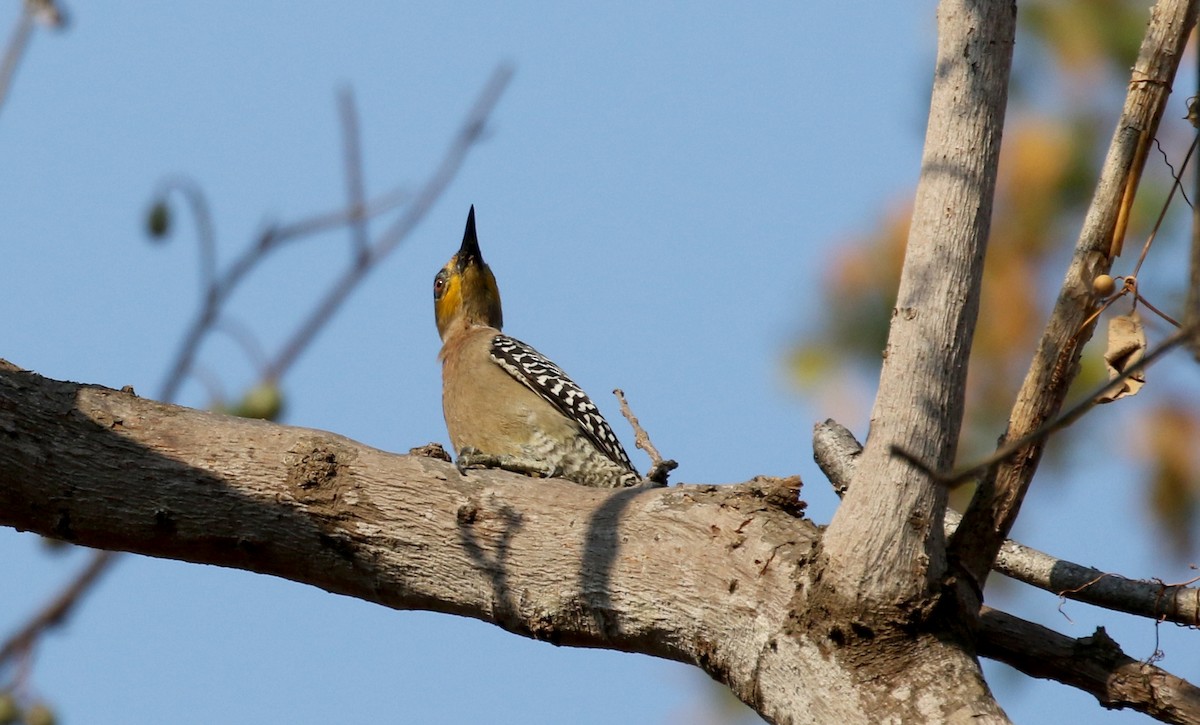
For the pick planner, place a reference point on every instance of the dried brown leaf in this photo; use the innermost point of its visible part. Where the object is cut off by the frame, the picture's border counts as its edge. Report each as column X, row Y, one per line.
column 1126, row 346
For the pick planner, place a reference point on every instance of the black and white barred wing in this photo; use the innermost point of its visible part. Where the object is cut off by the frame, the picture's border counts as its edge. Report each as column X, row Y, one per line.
column 543, row 377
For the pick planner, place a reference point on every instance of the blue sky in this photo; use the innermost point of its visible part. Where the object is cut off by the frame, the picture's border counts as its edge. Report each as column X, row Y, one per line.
column 659, row 194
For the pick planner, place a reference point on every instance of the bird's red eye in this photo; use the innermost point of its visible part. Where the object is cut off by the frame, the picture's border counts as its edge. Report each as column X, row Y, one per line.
column 439, row 285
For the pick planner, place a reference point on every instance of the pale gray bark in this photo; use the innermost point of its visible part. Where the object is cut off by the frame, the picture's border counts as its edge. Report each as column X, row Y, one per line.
column 714, row 576
column 718, row 576
column 885, row 544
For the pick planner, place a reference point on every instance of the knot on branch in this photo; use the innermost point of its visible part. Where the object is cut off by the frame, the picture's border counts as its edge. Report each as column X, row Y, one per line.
column 318, row 476
column 431, row 450
column 780, row 493
column 1101, row 647
column 315, row 466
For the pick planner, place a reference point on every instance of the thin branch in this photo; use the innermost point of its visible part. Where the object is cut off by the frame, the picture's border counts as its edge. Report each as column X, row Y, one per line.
column 46, row 12
column 468, row 135
column 275, row 236
column 1007, row 451
column 998, row 498
column 356, row 195
column 271, row 239
column 56, row 611
column 1176, row 185
column 836, row 451
column 1177, row 175
column 1170, row 320
column 1094, row 664
column 1191, row 310
column 659, row 468
column 206, row 237
column 17, row 42
column 243, row 337
column 211, row 382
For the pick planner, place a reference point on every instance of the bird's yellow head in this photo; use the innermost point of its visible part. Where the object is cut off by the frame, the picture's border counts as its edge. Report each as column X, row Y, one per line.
column 464, row 291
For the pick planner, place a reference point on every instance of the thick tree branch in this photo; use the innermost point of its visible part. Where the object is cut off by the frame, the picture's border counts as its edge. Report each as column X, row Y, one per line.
column 998, row 498
column 701, row 574
column 710, row 575
column 836, row 452
column 1093, row 664
column 715, row 576
column 885, row 542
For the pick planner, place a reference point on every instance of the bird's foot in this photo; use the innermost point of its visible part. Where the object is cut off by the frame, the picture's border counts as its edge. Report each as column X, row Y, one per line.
column 469, row 458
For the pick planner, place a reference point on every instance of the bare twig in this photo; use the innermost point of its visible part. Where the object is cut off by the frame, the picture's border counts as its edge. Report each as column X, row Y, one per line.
column 1191, row 310
column 998, row 498
column 659, row 468
column 1095, row 664
column 356, row 196
column 1170, row 320
column 836, row 452
column 1129, row 286
column 57, row 609
column 1010, row 449
column 1177, row 175
column 17, row 42
column 641, row 438
column 205, row 236
column 32, row 11
column 215, row 295
column 1176, row 185
column 277, row 235
column 274, row 237
column 244, row 338
column 468, row 135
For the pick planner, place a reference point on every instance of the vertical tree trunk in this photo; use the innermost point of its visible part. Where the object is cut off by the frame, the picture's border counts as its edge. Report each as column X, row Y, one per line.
column 885, row 544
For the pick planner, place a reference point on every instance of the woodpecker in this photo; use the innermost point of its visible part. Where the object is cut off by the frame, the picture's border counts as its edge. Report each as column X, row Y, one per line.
column 507, row 405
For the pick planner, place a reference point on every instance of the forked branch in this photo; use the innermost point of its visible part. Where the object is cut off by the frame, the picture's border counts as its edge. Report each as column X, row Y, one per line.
column 998, row 498
column 836, row 452
column 884, row 543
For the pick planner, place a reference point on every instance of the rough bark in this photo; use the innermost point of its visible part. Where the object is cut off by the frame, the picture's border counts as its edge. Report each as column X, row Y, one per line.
column 714, row 576
column 885, row 544
column 1094, row 664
